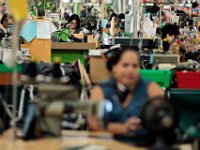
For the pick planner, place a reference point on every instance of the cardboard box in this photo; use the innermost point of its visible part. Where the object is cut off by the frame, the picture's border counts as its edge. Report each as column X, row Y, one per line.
column 40, row 49
column 98, row 70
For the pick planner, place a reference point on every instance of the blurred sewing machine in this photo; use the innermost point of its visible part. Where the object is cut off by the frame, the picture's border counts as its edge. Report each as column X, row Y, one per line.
column 54, row 95
column 55, row 101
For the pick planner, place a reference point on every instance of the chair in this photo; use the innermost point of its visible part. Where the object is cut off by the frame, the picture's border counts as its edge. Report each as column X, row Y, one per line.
column 188, row 104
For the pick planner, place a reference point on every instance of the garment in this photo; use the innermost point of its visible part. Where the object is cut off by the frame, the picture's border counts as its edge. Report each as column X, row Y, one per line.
column 149, row 26
column 120, row 114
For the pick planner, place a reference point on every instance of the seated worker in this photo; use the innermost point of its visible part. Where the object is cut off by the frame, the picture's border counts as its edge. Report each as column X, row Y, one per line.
column 170, row 33
column 187, row 46
column 3, row 26
column 74, row 25
column 126, row 90
column 109, row 22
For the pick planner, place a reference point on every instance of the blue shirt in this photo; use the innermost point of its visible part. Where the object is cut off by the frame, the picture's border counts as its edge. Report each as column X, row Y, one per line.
column 119, row 114
column 139, row 98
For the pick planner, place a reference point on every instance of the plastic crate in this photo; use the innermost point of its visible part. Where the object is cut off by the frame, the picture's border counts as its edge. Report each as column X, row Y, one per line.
column 5, row 69
column 188, row 80
column 161, row 77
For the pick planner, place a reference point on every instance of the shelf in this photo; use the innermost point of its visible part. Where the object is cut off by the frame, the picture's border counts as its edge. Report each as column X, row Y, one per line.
column 72, row 46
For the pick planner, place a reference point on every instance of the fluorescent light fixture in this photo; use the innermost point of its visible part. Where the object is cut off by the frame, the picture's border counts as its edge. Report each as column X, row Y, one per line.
column 107, row 1
column 77, row 1
column 66, row 1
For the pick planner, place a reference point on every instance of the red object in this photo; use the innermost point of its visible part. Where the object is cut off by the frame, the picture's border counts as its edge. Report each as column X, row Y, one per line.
column 188, row 80
column 6, row 78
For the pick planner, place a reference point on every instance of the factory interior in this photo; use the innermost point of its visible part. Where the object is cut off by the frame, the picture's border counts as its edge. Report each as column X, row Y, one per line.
column 99, row 74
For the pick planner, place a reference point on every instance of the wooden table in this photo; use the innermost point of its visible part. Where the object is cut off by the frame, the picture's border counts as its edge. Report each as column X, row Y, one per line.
column 68, row 139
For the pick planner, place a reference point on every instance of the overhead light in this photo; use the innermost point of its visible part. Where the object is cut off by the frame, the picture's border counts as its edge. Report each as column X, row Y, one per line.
column 107, row 1
column 130, row 2
column 77, row 1
column 66, row 1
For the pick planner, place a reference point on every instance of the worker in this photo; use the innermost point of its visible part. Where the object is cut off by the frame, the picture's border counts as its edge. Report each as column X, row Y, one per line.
column 126, row 90
column 109, row 22
column 170, row 33
column 74, row 25
column 2, row 9
column 4, row 25
column 164, row 18
column 182, row 44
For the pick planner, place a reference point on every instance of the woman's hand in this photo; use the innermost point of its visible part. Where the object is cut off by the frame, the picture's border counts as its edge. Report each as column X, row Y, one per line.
column 133, row 123
column 93, row 124
column 68, row 26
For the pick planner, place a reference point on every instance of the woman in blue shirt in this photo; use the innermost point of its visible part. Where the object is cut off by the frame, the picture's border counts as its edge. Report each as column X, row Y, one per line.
column 126, row 90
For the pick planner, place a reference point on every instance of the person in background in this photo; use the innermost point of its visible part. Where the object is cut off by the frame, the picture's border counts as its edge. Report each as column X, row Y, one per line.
column 195, row 9
column 4, row 25
column 110, row 19
column 164, row 20
column 170, row 33
column 74, row 25
column 122, row 21
column 126, row 90
column 2, row 8
column 187, row 46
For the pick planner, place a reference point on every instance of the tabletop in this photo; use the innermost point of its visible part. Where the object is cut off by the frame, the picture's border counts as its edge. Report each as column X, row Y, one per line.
column 68, row 139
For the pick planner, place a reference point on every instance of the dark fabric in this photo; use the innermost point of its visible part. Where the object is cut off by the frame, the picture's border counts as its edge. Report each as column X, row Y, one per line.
column 4, row 118
column 76, row 32
column 6, row 93
column 2, row 34
column 194, row 56
column 47, row 69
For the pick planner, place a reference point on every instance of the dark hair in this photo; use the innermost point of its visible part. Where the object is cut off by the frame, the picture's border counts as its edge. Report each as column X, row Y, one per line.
column 195, row 5
column 121, row 16
column 77, row 18
column 4, row 18
column 113, row 15
column 170, row 29
column 152, row 9
column 115, row 55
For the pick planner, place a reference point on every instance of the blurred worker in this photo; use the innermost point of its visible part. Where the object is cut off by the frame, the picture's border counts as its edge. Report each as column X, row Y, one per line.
column 126, row 90
column 170, row 33
column 74, row 25
column 164, row 18
column 4, row 25
column 2, row 8
column 109, row 22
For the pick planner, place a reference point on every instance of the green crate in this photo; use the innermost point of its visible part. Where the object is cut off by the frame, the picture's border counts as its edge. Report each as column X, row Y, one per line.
column 5, row 69
column 187, row 104
column 68, row 56
column 161, row 77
